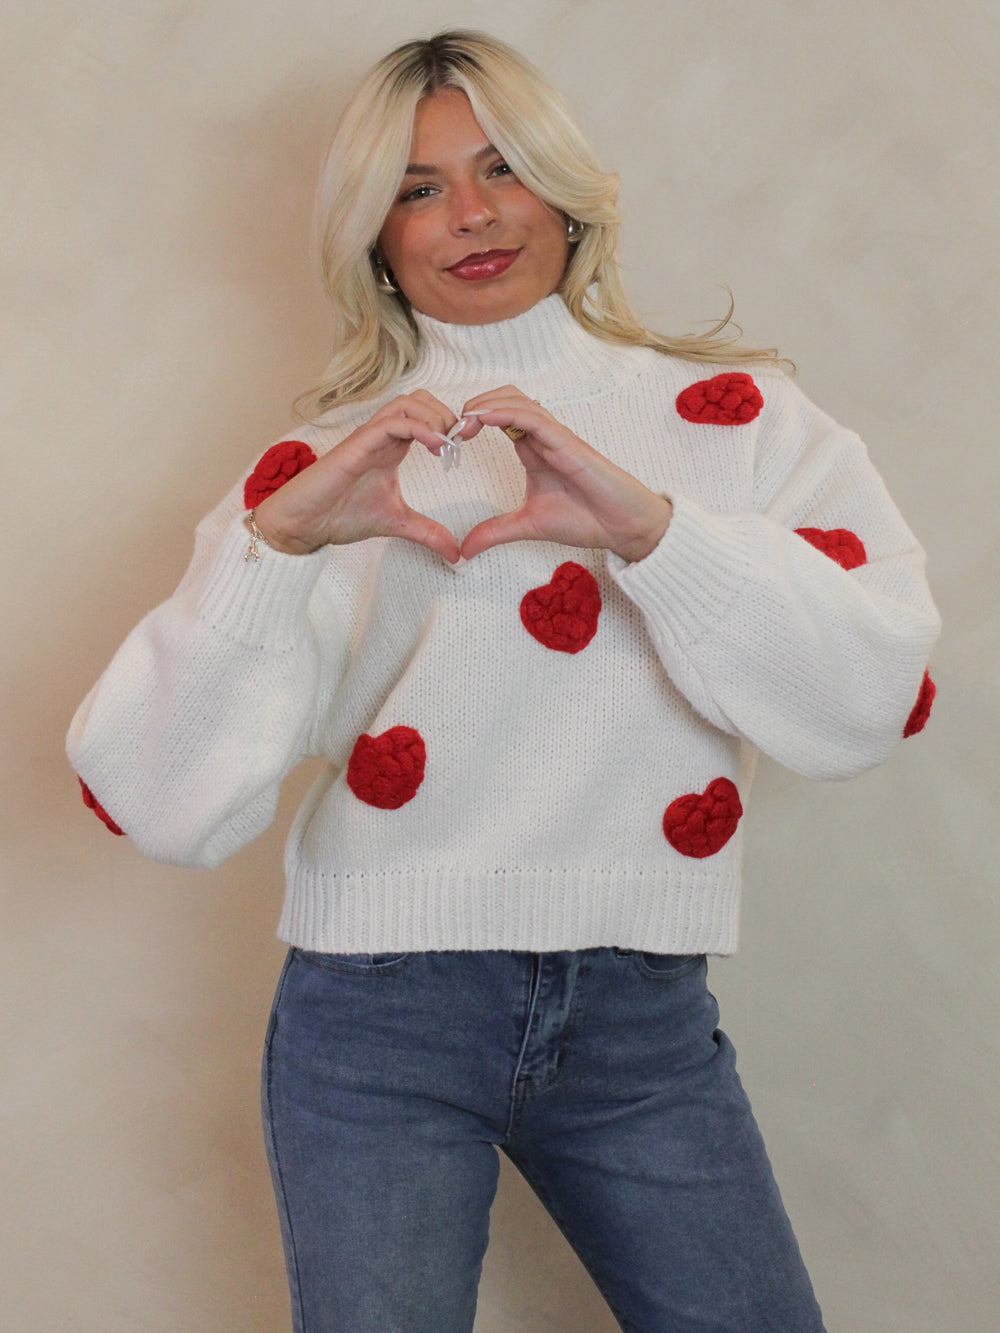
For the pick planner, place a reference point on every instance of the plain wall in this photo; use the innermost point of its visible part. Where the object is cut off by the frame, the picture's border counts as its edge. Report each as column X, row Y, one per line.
column 835, row 165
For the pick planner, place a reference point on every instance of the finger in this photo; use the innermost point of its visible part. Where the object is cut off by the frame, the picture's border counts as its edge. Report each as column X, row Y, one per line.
column 466, row 427
column 392, row 432
column 504, row 393
column 420, row 401
column 425, row 396
column 508, row 397
column 417, row 527
column 447, row 445
column 515, row 526
column 419, row 406
column 518, row 418
column 496, row 402
column 441, row 445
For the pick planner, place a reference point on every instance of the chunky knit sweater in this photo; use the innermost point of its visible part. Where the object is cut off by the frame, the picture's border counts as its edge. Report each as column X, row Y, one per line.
column 545, row 747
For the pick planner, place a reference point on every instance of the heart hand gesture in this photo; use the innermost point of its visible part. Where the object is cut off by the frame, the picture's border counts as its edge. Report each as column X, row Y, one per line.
column 573, row 494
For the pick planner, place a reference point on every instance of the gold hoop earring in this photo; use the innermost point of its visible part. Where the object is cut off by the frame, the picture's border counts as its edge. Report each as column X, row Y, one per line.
column 383, row 279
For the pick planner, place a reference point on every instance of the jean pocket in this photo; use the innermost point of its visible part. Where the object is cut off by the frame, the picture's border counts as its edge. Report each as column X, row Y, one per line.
column 355, row 964
column 667, row 966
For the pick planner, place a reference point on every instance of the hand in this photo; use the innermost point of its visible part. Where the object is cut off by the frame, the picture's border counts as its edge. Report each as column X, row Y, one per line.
column 572, row 494
column 353, row 491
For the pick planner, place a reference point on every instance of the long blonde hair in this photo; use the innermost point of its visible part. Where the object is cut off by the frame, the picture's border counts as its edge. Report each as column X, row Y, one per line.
column 530, row 125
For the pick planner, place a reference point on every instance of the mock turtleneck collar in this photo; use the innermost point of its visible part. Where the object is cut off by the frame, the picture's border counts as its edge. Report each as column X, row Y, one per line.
column 544, row 352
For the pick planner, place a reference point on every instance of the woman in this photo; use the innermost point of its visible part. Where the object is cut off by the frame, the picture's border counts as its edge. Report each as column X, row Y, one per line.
column 539, row 678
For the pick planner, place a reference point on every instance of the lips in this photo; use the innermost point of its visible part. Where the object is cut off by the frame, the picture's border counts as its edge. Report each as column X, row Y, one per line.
column 486, row 264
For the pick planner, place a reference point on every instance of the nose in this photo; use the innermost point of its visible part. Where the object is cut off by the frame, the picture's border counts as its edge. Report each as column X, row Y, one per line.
column 471, row 210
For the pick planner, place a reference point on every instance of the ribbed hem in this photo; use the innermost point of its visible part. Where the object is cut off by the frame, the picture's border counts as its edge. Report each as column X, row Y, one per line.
column 540, row 910
column 259, row 603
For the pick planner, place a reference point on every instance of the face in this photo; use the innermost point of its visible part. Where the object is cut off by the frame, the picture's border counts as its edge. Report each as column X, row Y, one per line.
column 465, row 241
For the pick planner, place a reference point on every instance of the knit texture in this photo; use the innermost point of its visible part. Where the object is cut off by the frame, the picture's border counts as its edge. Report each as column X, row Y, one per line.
column 542, row 748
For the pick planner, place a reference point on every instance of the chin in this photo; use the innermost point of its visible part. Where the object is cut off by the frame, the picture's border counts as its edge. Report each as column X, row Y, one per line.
column 490, row 307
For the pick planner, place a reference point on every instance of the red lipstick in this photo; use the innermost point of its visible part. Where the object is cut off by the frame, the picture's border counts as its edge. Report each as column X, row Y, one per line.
column 486, row 264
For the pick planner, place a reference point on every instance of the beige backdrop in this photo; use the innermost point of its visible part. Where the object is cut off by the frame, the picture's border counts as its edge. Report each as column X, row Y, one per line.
column 835, row 164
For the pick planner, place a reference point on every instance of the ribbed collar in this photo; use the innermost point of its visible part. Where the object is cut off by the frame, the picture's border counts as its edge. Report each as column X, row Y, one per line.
column 544, row 352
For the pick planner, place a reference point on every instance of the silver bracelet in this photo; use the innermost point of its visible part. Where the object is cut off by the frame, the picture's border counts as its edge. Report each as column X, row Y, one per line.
column 255, row 536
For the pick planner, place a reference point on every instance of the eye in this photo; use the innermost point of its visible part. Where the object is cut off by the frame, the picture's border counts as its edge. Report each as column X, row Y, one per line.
column 500, row 169
column 418, row 192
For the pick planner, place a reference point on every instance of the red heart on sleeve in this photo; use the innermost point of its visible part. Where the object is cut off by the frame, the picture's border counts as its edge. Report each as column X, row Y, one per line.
column 91, row 802
column 839, row 544
column 386, row 771
column 276, row 465
column 922, row 708
column 701, row 824
column 563, row 613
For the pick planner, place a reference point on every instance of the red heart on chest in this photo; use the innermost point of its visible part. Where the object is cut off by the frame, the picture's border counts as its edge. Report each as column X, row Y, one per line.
column 729, row 399
column 386, row 771
column 701, row 823
column 563, row 613
column 840, row 544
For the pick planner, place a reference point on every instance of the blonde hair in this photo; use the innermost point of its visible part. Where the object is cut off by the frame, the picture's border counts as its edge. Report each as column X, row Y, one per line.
column 530, row 125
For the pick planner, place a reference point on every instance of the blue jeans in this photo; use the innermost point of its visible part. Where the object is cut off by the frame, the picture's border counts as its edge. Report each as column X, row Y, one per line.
column 390, row 1081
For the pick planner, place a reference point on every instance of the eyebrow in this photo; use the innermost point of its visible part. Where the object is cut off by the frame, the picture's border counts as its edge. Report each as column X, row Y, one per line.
column 431, row 168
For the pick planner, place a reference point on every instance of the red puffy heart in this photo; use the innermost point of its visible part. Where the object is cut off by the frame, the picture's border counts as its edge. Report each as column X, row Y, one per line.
column 563, row 613
column 729, row 399
column 702, row 824
column 922, row 708
column 839, row 544
column 277, row 465
column 386, row 770
column 91, row 802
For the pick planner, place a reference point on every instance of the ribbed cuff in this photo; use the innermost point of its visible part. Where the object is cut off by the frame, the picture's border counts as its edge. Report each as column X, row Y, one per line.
column 688, row 582
column 260, row 603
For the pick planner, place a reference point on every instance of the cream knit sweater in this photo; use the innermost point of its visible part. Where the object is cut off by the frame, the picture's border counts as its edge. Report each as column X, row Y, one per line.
column 518, row 760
